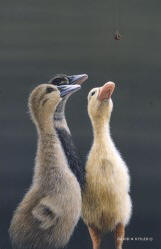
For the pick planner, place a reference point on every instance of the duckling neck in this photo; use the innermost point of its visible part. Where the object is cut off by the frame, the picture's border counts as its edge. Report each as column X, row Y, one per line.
column 67, row 144
column 60, row 110
column 49, row 153
column 101, row 131
column 45, row 126
column 46, row 132
column 59, row 116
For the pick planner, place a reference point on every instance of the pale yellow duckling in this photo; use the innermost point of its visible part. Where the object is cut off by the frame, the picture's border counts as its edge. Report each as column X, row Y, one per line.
column 106, row 201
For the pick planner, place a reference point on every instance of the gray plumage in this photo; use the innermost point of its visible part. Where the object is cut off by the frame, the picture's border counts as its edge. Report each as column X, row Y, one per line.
column 47, row 215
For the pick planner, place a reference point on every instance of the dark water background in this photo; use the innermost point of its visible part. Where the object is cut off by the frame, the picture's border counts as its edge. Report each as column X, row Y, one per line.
column 40, row 38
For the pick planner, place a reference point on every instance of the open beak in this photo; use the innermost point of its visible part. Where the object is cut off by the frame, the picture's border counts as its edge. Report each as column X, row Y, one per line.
column 106, row 91
column 77, row 79
column 68, row 89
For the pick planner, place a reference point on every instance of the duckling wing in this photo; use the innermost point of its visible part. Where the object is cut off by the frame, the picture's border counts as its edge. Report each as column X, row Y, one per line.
column 46, row 212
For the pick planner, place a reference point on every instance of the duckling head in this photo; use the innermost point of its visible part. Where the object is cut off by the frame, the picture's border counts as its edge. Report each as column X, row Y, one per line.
column 63, row 79
column 100, row 104
column 44, row 100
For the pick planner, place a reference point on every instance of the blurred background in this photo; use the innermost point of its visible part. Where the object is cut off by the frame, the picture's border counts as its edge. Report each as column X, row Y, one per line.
column 41, row 38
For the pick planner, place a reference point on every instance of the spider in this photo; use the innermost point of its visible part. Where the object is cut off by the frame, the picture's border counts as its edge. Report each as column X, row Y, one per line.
column 117, row 35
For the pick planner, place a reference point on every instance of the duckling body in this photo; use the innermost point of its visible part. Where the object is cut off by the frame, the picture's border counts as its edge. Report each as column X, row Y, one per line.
column 107, row 184
column 47, row 215
column 106, row 200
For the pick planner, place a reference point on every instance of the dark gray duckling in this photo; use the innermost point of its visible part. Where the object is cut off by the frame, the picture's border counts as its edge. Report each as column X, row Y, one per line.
column 62, row 127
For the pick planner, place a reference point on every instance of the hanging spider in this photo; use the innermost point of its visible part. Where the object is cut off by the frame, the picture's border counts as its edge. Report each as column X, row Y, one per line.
column 117, row 35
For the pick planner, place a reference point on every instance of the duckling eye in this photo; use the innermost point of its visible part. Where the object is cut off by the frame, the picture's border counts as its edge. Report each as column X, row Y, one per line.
column 93, row 93
column 57, row 81
column 49, row 89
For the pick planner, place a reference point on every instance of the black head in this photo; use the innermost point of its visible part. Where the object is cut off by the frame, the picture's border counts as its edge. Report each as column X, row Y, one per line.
column 63, row 79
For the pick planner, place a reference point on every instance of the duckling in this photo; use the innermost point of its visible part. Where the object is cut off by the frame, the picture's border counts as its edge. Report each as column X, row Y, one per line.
column 106, row 201
column 62, row 128
column 47, row 215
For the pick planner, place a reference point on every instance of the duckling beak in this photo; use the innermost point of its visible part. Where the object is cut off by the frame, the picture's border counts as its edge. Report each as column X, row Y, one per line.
column 77, row 79
column 106, row 91
column 68, row 89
